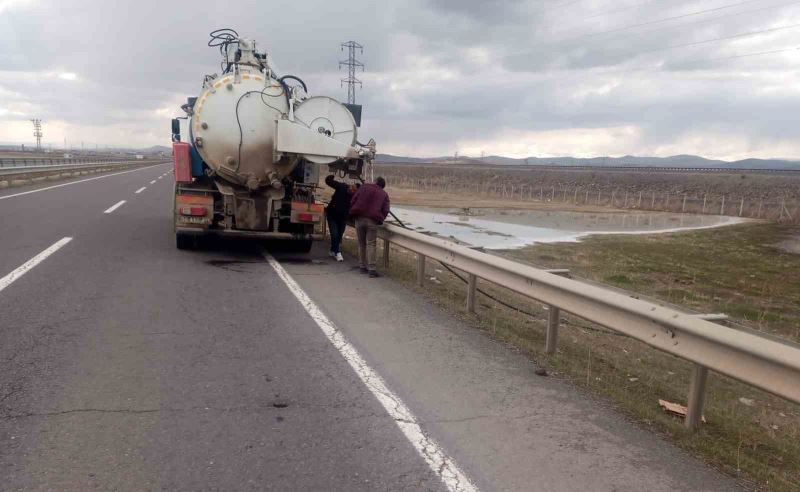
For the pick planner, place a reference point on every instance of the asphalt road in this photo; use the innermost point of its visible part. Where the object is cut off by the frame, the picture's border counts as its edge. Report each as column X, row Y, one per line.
column 126, row 364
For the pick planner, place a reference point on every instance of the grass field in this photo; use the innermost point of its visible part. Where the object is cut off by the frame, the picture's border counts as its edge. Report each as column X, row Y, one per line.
column 737, row 270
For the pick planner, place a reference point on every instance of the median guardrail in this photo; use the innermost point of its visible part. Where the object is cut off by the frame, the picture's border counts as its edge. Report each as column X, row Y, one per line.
column 766, row 362
column 24, row 174
column 31, row 162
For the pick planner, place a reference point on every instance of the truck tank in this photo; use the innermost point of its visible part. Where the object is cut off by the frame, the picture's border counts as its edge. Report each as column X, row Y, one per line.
column 248, row 151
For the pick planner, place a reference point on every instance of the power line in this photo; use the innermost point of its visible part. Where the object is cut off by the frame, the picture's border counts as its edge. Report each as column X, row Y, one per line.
column 725, row 38
column 667, row 19
column 746, row 55
column 561, row 5
column 702, row 21
column 621, row 9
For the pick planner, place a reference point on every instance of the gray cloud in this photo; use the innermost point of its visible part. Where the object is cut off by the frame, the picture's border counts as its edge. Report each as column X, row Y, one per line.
column 441, row 75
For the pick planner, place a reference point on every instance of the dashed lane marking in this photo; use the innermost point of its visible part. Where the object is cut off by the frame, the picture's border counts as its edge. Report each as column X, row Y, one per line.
column 114, row 207
column 151, row 182
column 442, row 465
column 75, row 182
column 28, row 265
column 140, row 190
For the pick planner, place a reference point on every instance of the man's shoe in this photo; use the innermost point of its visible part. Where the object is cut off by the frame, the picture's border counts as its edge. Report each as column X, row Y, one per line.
column 374, row 274
column 339, row 257
column 331, row 254
column 363, row 270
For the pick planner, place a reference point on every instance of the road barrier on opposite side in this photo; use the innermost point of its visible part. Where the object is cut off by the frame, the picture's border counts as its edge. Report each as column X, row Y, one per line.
column 23, row 175
column 763, row 361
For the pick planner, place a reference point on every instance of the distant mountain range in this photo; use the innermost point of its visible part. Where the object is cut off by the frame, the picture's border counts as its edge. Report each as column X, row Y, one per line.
column 688, row 161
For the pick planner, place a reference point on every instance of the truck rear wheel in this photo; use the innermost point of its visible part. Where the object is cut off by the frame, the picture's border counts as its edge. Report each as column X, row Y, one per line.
column 303, row 246
column 184, row 241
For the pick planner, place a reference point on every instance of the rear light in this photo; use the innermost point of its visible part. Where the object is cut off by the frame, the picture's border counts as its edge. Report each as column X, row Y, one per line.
column 305, row 217
column 194, row 211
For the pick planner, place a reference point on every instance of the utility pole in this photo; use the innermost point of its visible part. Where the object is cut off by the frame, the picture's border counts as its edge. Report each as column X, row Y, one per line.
column 352, row 64
column 37, row 132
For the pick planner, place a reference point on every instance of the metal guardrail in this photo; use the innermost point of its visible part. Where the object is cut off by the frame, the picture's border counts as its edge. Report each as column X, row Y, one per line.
column 11, row 174
column 766, row 362
column 5, row 171
column 31, row 162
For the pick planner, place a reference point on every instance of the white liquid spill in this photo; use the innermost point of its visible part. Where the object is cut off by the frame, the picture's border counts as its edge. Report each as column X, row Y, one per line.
column 520, row 228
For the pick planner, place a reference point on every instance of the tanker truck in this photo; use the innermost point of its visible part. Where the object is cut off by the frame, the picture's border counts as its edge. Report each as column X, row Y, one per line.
column 247, row 153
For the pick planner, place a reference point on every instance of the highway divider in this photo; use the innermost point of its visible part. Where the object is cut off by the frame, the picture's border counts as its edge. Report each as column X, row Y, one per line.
column 22, row 175
column 763, row 361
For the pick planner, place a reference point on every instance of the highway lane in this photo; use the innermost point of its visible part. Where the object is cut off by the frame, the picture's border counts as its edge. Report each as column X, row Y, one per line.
column 30, row 222
column 129, row 365
column 126, row 364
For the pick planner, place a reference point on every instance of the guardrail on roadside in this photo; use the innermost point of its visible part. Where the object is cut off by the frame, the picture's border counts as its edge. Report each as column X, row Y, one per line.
column 30, row 162
column 22, row 175
column 4, row 171
column 766, row 362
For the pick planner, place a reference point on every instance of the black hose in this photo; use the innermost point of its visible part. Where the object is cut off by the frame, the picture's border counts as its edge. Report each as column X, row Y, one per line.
column 293, row 77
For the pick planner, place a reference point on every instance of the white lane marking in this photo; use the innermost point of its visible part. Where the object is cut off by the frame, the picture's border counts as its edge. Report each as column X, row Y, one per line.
column 151, row 182
column 442, row 465
column 76, row 182
column 28, row 265
column 114, row 207
column 140, row 190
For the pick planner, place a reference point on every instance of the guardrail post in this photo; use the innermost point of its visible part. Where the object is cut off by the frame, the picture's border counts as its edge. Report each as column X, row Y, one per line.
column 472, row 287
column 420, row 269
column 385, row 253
column 553, row 315
column 697, row 396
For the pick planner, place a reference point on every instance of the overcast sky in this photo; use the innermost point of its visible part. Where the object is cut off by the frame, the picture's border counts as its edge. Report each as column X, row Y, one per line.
column 516, row 78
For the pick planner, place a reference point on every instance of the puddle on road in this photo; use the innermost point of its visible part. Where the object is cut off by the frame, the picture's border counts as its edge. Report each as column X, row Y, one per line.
column 232, row 265
column 512, row 229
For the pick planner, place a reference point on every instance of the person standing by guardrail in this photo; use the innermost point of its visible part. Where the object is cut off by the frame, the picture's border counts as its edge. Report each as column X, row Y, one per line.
column 369, row 207
column 336, row 213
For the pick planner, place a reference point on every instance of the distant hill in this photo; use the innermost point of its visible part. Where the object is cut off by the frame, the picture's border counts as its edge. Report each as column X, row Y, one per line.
column 156, row 149
column 689, row 161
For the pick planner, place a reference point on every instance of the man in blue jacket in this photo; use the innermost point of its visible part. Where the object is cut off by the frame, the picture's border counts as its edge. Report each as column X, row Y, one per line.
column 369, row 207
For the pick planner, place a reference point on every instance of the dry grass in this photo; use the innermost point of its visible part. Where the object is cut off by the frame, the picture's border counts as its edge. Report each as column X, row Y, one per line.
column 735, row 270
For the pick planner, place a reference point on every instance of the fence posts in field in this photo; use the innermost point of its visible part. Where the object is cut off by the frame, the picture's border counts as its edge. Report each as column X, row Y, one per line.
column 781, row 210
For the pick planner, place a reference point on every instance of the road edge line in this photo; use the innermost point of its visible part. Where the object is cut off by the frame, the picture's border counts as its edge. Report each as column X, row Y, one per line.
column 442, row 465
column 30, row 264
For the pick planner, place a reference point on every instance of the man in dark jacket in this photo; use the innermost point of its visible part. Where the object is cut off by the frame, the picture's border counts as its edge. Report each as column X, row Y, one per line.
column 369, row 207
column 337, row 212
